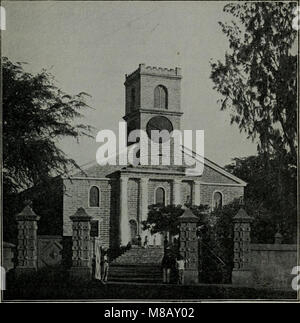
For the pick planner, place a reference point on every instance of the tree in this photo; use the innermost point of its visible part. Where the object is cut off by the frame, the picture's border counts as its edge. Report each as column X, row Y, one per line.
column 217, row 240
column 165, row 218
column 36, row 115
column 258, row 84
column 258, row 80
column 261, row 192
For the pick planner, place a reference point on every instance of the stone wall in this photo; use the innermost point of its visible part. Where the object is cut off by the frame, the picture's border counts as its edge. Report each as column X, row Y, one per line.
column 229, row 193
column 145, row 79
column 136, row 85
column 9, row 250
column 150, row 82
column 272, row 264
column 77, row 195
column 133, row 199
column 186, row 192
column 166, row 185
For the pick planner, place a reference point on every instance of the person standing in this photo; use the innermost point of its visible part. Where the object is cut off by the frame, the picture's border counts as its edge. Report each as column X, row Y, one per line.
column 139, row 241
column 180, row 264
column 166, row 242
column 105, row 266
column 166, row 267
column 146, row 242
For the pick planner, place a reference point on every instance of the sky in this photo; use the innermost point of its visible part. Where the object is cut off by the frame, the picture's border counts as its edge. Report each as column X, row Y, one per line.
column 90, row 45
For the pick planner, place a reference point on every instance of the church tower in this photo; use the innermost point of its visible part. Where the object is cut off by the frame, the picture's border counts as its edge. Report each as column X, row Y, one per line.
column 152, row 97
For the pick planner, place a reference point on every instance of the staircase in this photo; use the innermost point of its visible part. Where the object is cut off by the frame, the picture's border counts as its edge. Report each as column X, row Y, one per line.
column 138, row 265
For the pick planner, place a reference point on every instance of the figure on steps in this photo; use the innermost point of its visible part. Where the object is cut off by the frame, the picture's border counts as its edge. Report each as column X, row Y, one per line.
column 146, row 242
column 105, row 266
column 168, row 264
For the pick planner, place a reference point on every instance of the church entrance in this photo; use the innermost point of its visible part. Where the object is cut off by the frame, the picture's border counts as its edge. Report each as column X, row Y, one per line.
column 133, row 232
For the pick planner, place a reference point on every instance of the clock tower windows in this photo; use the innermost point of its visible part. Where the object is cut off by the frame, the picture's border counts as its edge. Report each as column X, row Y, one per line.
column 152, row 99
column 161, row 97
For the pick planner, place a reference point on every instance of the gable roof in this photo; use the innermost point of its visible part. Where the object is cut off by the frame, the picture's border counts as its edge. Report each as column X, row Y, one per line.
column 108, row 169
column 214, row 166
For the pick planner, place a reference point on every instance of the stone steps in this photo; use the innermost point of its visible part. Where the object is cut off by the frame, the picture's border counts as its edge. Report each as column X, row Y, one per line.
column 135, row 273
column 135, row 256
column 138, row 265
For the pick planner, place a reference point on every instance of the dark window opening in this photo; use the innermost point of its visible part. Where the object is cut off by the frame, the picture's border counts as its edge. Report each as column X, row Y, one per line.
column 94, row 197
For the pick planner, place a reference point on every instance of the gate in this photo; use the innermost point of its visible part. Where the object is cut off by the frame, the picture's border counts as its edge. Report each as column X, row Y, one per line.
column 50, row 250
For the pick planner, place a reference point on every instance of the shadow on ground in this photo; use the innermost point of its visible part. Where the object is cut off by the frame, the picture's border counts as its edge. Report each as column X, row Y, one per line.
column 55, row 285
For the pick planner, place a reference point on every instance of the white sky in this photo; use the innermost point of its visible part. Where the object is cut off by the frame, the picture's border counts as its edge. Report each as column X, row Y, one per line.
column 90, row 46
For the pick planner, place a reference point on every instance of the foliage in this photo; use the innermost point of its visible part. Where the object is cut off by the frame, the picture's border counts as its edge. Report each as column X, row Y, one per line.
column 217, row 239
column 278, row 208
column 36, row 115
column 258, row 80
column 258, row 84
column 165, row 218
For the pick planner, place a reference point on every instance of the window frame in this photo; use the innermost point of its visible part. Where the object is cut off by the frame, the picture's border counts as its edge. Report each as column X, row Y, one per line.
column 99, row 197
column 165, row 195
column 213, row 198
column 166, row 103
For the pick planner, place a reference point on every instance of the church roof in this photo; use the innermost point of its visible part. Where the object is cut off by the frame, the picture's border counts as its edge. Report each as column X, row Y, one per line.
column 93, row 168
column 216, row 167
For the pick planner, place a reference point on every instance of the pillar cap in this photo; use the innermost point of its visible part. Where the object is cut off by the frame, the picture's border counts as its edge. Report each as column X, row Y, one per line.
column 80, row 216
column 242, row 216
column 188, row 216
column 27, row 214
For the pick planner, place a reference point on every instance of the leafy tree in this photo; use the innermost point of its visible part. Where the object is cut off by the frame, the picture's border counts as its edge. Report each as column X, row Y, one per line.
column 258, row 84
column 217, row 239
column 258, row 80
column 36, row 115
column 262, row 193
column 165, row 218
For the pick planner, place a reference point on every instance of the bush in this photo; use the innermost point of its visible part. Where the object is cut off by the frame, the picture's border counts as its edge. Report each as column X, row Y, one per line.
column 216, row 238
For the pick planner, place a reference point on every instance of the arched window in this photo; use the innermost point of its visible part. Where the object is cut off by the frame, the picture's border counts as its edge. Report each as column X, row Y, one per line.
column 132, row 103
column 94, row 197
column 160, row 97
column 217, row 200
column 160, row 196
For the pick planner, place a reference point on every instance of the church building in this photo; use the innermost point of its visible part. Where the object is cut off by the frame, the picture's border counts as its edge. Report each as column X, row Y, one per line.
column 117, row 197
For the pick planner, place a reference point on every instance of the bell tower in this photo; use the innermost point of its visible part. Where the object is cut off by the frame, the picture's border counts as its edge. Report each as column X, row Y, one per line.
column 152, row 96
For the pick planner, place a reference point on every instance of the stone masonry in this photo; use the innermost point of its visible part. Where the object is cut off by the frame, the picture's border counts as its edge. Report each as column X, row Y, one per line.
column 126, row 191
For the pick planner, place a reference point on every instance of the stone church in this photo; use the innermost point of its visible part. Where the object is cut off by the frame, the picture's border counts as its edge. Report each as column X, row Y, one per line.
column 117, row 197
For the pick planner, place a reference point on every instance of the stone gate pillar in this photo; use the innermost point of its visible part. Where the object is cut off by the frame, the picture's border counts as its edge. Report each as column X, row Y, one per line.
column 188, row 246
column 27, row 241
column 81, row 246
column 242, row 274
